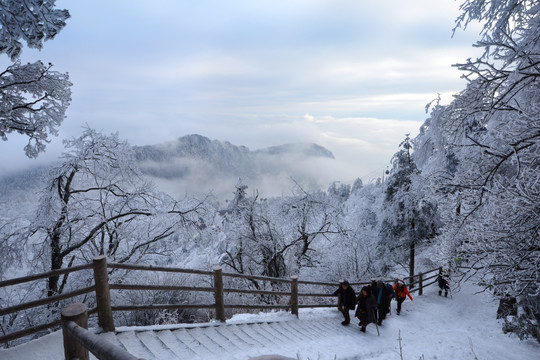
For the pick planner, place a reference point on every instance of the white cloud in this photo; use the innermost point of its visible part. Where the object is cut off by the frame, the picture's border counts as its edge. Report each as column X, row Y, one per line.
column 353, row 76
column 309, row 118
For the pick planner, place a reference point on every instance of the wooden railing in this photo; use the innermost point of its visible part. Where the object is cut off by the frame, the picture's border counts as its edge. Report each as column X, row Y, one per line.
column 47, row 301
column 78, row 340
column 105, row 309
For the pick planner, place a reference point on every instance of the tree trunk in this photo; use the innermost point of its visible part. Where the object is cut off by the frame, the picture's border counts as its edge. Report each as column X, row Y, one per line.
column 56, row 263
column 411, row 268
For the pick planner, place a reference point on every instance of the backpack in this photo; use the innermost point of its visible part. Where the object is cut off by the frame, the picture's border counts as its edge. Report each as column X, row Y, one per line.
column 400, row 291
column 442, row 282
column 390, row 290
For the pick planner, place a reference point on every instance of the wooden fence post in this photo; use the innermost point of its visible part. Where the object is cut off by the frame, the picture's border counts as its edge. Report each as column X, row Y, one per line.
column 420, row 278
column 411, row 282
column 103, row 295
column 72, row 348
column 218, row 293
column 294, row 295
column 339, row 304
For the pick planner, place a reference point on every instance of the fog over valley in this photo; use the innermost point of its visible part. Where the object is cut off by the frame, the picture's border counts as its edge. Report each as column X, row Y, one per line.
column 194, row 165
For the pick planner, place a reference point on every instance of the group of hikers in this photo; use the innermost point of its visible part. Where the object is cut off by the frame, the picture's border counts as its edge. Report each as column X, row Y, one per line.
column 373, row 302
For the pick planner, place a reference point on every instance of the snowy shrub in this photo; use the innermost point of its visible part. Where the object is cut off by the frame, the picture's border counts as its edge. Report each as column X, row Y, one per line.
column 160, row 297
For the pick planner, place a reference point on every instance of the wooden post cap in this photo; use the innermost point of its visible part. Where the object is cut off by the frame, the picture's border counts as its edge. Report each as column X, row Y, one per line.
column 73, row 310
column 99, row 257
column 217, row 267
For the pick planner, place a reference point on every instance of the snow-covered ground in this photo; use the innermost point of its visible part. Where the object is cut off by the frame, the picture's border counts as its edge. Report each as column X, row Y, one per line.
column 430, row 327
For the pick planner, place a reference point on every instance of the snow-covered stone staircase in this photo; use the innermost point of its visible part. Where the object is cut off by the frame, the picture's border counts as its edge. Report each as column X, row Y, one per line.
column 230, row 341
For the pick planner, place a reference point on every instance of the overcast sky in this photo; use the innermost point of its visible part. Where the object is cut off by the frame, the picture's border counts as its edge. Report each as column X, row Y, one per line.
column 351, row 75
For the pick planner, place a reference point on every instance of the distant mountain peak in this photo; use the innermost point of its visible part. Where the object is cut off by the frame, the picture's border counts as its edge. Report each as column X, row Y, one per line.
column 195, row 164
column 202, row 148
column 306, row 149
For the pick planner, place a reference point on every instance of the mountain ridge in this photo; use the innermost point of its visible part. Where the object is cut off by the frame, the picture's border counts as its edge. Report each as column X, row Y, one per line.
column 185, row 145
column 195, row 164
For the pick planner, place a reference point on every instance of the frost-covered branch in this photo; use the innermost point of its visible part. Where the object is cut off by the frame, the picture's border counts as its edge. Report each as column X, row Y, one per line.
column 33, row 102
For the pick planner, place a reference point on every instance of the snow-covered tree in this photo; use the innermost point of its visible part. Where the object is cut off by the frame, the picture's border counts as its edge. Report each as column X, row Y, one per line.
column 97, row 203
column 9, row 247
column 340, row 191
column 357, row 185
column 312, row 222
column 33, row 98
column 409, row 218
column 254, row 243
column 482, row 150
column 280, row 236
column 357, row 254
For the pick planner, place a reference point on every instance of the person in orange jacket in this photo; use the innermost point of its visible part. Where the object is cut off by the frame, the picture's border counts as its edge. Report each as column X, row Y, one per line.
column 401, row 293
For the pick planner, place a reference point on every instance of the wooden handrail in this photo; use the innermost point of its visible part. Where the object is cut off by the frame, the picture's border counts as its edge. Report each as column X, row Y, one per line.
column 28, row 331
column 159, row 287
column 305, row 282
column 316, row 295
column 78, row 340
column 257, row 292
column 105, row 309
column 161, row 307
column 257, row 277
column 157, row 268
column 423, row 286
column 255, row 307
column 25, row 279
column 431, row 277
column 307, row 306
column 49, row 300
column 102, row 349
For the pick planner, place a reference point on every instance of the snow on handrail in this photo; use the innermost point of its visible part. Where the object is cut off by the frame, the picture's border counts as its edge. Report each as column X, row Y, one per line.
column 78, row 340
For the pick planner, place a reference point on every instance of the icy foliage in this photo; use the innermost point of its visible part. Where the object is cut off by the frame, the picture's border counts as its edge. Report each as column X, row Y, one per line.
column 33, row 102
column 481, row 153
column 33, row 98
column 33, row 21
column 97, row 203
column 409, row 218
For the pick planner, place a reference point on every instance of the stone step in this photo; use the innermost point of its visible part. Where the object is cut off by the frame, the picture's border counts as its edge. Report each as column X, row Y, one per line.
column 224, row 341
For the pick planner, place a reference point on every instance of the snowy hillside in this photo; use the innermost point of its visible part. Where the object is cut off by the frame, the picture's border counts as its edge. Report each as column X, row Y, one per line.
column 196, row 165
column 430, row 327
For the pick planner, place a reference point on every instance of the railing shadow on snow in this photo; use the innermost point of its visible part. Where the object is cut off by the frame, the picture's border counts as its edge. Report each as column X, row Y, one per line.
column 75, row 335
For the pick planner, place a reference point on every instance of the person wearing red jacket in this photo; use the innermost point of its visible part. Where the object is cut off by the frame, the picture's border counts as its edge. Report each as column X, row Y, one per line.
column 401, row 293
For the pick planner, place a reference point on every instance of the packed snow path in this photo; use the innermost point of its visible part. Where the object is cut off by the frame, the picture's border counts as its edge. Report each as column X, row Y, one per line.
column 463, row 327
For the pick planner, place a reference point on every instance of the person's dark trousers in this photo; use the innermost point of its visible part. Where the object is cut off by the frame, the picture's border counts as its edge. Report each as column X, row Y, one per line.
column 445, row 291
column 381, row 313
column 399, row 302
column 346, row 315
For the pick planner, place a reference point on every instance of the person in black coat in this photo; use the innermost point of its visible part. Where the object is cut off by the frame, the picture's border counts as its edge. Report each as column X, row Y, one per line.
column 383, row 295
column 365, row 311
column 348, row 300
column 443, row 285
